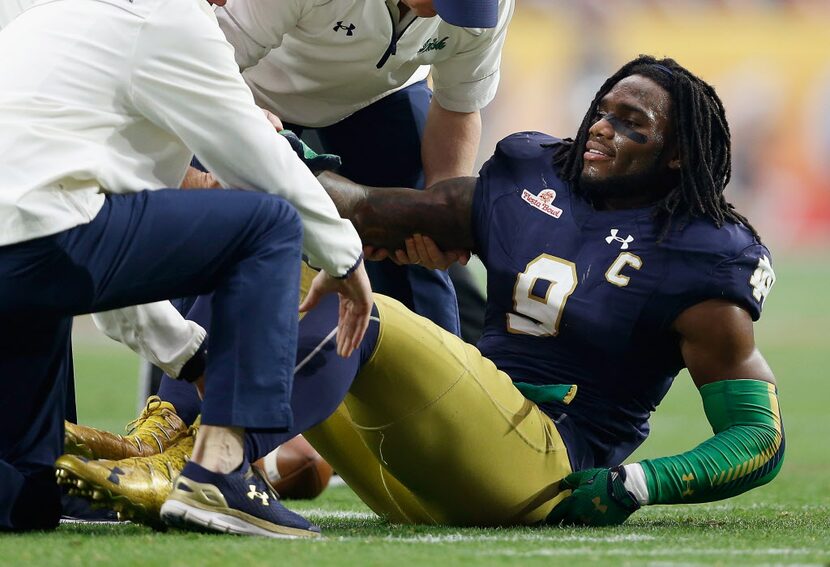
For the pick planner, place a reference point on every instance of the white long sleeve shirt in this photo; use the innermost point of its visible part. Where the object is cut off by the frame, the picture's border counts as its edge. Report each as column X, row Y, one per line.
column 156, row 332
column 115, row 96
column 9, row 9
column 315, row 62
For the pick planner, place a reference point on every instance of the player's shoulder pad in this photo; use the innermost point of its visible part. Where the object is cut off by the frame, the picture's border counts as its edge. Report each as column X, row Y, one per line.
column 702, row 237
column 526, row 145
column 522, row 152
column 727, row 262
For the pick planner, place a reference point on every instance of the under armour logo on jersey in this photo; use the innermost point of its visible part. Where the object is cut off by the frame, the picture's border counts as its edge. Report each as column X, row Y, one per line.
column 542, row 201
column 349, row 29
column 762, row 279
column 252, row 493
column 624, row 242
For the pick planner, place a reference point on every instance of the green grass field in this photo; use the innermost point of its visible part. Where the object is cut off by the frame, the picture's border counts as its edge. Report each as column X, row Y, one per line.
column 786, row 522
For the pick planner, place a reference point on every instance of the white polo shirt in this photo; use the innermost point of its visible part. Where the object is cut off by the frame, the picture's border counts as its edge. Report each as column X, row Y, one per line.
column 115, row 96
column 9, row 9
column 315, row 62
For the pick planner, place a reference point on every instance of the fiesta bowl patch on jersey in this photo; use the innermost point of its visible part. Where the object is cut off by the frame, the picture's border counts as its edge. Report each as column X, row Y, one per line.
column 543, row 201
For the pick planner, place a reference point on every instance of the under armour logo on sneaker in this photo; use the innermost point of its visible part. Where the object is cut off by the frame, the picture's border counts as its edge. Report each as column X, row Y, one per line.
column 624, row 242
column 349, row 29
column 252, row 493
column 113, row 477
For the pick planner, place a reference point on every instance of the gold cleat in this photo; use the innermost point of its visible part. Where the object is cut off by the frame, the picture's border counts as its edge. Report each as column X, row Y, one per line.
column 134, row 488
column 157, row 428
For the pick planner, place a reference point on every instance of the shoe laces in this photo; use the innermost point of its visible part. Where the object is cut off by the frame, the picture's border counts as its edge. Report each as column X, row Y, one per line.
column 154, row 420
column 170, row 462
column 150, row 409
column 263, row 480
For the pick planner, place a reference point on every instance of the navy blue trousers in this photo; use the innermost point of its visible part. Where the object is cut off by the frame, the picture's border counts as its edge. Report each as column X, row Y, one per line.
column 321, row 378
column 381, row 146
column 244, row 247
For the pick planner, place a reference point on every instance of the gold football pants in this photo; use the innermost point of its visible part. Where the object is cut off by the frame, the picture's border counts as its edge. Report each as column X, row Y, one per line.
column 432, row 432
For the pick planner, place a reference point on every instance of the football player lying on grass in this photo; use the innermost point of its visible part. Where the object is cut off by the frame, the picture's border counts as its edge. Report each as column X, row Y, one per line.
column 613, row 261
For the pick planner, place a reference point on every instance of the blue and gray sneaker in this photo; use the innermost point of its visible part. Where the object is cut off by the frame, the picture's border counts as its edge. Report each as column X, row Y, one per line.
column 241, row 502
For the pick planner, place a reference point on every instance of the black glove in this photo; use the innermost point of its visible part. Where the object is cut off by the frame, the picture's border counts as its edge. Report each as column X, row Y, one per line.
column 599, row 498
column 317, row 163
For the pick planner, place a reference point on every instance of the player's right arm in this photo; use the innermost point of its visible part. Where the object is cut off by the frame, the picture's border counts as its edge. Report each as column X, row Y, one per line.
column 740, row 399
column 385, row 217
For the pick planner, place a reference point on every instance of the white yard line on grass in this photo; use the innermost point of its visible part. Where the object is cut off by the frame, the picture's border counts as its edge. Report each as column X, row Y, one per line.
column 632, row 554
column 319, row 513
column 742, row 506
column 546, row 537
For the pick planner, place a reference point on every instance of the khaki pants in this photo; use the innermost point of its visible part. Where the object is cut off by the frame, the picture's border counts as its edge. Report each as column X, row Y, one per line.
column 431, row 432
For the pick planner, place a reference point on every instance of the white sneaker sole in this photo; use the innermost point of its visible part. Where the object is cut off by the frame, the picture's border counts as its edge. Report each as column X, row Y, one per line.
column 184, row 516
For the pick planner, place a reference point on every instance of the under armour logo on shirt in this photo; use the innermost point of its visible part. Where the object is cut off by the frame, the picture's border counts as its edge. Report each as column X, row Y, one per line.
column 252, row 493
column 624, row 242
column 349, row 29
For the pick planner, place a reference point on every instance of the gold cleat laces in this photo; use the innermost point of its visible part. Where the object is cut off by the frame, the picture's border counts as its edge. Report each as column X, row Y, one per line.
column 157, row 428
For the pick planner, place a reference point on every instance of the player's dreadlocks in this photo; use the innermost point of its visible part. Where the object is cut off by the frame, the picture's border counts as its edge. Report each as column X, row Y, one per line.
column 703, row 142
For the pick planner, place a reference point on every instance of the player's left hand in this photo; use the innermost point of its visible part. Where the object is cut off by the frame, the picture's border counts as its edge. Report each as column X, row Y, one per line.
column 599, row 498
column 424, row 251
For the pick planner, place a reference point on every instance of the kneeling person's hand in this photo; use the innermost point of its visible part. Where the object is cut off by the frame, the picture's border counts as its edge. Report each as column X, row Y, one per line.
column 599, row 498
column 356, row 303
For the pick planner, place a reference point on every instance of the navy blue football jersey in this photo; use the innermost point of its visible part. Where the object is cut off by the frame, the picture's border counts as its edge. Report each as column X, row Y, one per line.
column 587, row 297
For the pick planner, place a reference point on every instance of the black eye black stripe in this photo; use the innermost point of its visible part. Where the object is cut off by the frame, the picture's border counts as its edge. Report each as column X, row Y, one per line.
column 620, row 127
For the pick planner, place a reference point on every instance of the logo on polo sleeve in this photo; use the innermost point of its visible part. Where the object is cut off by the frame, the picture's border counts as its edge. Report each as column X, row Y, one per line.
column 434, row 44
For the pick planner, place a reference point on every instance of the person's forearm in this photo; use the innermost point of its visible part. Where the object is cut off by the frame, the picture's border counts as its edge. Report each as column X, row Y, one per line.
column 385, row 216
column 450, row 143
column 193, row 89
column 746, row 451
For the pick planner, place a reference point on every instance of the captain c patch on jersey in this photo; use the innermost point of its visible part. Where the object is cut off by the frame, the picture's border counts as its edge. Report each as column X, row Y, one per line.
column 543, row 201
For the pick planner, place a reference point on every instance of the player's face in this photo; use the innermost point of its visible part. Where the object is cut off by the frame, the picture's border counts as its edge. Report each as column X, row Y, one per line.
column 631, row 151
column 421, row 8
